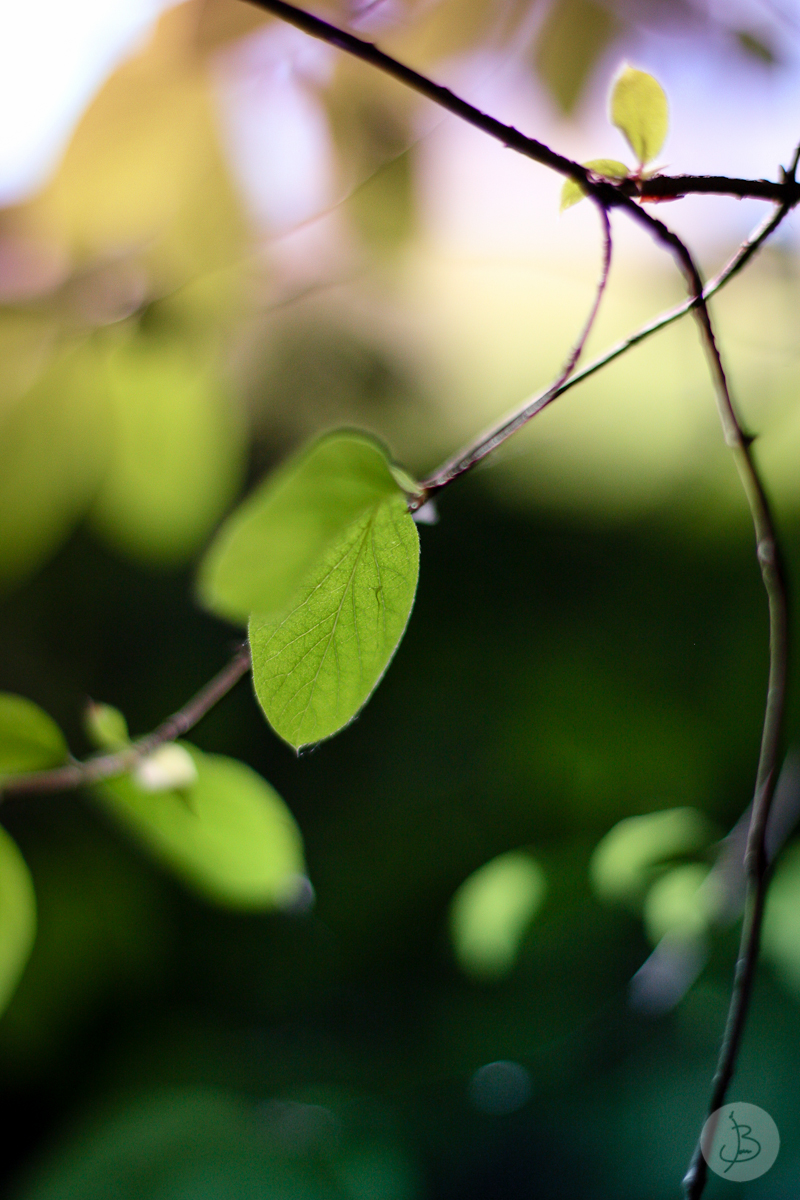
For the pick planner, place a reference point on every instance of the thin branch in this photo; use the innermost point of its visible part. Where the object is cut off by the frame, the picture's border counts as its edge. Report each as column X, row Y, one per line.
column 607, row 194
column 107, row 766
column 772, row 575
column 757, row 863
column 466, row 459
column 474, row 452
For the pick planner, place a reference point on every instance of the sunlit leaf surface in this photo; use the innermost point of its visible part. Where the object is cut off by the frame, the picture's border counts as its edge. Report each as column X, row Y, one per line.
column 314, row 668
column 639, row 109
column 29, row 739
column 17, row 916
column 264, row 552
column 229, row 835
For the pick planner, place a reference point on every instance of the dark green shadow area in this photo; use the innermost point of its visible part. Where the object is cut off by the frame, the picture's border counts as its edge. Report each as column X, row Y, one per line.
column 553, row 679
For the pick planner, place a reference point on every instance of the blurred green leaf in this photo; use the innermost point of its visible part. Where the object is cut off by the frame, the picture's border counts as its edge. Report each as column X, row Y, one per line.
column 780, row 937
column 756, row 47
column 573, row 36
column 229, row 835
column 609, row 168
column 383, row 206
column 175, row 450
column 101, row 931
column 314, row 668
column 52, row 449
column 624, row 861
column 145, row 168
column 680, row 903
column 105, row 727
column 17, row 916
column 269, row 545
column 29, row 739
column 639, row 109
column 491, row 911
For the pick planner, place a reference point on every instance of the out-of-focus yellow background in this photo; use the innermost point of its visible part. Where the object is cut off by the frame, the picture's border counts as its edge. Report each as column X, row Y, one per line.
column 220, row 238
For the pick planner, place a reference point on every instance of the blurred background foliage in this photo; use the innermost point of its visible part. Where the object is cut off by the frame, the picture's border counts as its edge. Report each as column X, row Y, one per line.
column 247, row 241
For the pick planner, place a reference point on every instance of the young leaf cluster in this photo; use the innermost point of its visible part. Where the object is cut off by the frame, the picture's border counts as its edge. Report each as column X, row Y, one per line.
column 638, row 107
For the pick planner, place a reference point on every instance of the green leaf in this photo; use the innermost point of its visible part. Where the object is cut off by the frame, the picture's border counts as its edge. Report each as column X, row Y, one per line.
column 491, row 911
column 17, row 916
column 609, row 168
column 756, row 47
column 315, row 667
column 626, row 860
column 229, row 835
column 781, row 934
column 682, row 903
column 265, row 550
column 53, row 444
column 29, row 739
column 573, row 36
column 639, row 109
column 105, row 727
column 175, row 450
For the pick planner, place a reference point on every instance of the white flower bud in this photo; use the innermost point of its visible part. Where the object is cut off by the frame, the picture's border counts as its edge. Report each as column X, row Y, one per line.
column 167, row 768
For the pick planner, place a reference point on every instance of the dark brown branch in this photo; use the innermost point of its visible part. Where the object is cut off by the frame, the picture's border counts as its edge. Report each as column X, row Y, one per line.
column 672, row 187
column 772, row 575
column 660, row 187
column 608, row 194
column 507, row 135
column 757, row 858
column 107, row 766
column 775, row 586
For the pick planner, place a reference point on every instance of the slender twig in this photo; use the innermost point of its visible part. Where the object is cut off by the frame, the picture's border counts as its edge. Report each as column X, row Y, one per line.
column 577, row 349
column 107, row 766
column 466, row 459
column 472, row 453
column 772, row 575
